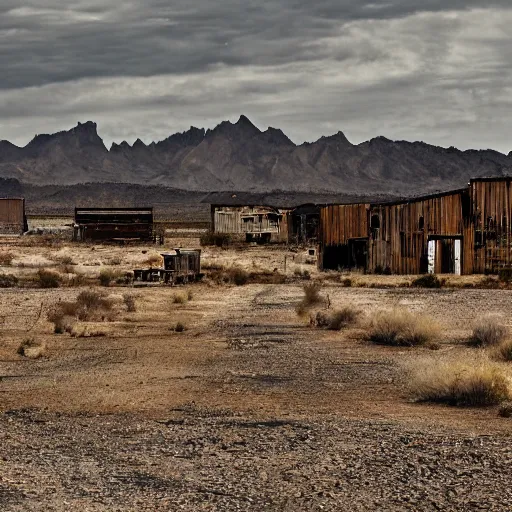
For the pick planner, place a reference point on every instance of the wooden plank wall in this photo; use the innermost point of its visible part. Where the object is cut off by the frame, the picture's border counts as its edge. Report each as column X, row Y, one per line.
column 400, row 243
column 229, row 220
column 12, row 216
column 491, row 204
column 339, row 223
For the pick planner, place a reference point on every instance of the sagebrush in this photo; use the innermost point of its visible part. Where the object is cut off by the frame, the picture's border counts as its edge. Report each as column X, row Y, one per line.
column 400, row 327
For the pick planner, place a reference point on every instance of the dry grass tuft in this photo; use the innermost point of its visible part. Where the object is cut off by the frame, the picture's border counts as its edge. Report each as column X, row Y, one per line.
column 129, row 302
column 179, row 298
column 335, row 320
column 343, row 317
column 400, row 327
column 109, row 276
column 503, row 352
column 89, row 305
column 48, row 278
column 311, row 298
column 505, row 410
column 6, row 258
column 488, row 332
column 459, row 382
column 8, row 281
column 428, row 281
column 154, row 260
column 31, row 349
column 180, row 327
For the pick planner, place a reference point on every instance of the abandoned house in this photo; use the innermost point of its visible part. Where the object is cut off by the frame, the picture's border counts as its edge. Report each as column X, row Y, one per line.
column 303, row 222
column 460, row 232
column 13, row 220
column 250, row 223
column 113, row 224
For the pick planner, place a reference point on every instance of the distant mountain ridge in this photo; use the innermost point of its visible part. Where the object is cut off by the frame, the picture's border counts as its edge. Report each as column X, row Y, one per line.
column 239, row 156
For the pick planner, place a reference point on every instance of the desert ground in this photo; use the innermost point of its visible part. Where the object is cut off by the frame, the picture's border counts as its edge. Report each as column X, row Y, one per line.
column 248, row 406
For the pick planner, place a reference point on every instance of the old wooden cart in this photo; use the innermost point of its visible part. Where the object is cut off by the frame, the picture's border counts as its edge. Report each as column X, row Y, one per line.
column 180, row 267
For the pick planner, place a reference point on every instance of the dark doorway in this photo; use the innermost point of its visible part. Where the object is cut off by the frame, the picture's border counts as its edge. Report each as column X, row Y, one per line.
column 352, row 255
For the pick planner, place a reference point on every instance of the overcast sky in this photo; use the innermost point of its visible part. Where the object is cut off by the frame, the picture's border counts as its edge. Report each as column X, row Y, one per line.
column 432, row 70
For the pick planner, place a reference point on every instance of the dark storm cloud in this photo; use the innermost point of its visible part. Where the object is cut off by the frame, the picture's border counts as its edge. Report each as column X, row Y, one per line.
column 434, row 70
column 59, row 40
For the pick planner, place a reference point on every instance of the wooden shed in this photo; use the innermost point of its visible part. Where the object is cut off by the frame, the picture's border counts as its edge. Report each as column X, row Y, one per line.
column 250, row 222
column 13, row 220
column 114, row 224
column 432, row 233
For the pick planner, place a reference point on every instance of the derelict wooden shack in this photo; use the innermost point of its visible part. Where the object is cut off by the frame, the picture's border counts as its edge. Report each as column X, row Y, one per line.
column 250, row 222
column 13, row 220
column 113, row 224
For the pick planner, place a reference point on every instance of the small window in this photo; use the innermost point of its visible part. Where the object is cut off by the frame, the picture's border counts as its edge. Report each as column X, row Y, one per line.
column 375, row 222
column 421, row 223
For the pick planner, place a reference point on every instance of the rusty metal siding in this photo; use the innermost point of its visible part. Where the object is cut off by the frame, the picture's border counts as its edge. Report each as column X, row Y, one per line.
column 491, row 209
column 12, row 216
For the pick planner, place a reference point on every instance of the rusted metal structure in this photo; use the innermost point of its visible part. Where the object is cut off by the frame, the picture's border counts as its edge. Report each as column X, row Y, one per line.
column 251, row 222
column 113, row 224
column 13, row 220
column 433, row 233
column 303, row 224
column 181, row 266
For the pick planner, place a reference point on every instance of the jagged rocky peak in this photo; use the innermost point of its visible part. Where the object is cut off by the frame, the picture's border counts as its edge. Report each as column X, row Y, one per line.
column 191, row 137
column 338, row 138
column 123, row 146
column 242, row 128
column 139, row 144
column 277, row 137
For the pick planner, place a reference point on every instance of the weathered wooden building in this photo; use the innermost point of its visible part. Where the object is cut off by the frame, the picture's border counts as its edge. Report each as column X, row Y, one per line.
column 13, row 220
column 113, row 224
column 491, row 202
column 303, row 224
column 251, row 222
column 433, row 233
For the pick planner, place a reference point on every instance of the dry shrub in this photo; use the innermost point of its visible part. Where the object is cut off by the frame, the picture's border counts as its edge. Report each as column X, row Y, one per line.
column 473, row 381
column 488, row 282
column 31, row 349
column 6, row 258
column 312, row 294
column 335, row 320
column 400, row 327
column 65, row 259
column 8, row 281
column 180, row 327
column 129, row 302
column 179, row 298
column 505, row 410
column 108, row 276
column 347, row 282
column 488, row 332
column 238, row 276
column 154, row 260
column 89, row 305
column 503, row 352
column 311, row 298
column 428, row 281
column 343, row 317
column 48, row 278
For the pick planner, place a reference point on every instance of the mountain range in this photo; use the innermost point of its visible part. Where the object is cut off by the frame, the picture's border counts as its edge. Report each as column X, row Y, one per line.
column 240, row 157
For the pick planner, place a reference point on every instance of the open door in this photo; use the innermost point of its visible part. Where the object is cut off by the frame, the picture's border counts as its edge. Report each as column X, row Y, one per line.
column 444, row 255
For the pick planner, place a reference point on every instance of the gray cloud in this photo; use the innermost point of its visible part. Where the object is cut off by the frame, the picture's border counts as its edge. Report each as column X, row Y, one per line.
column 432, row 70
